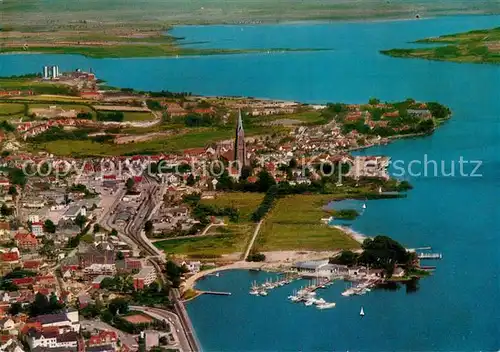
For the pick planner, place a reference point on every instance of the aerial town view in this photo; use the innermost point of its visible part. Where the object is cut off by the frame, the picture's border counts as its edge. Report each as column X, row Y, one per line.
column 249, row 175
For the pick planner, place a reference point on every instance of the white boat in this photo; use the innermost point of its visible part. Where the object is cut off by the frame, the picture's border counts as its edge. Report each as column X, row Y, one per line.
column 319, row 301
column 309, row 302
column 364, row 205
column 254, row 292
column 362, row 312
column 327, row 305
column 263, row 293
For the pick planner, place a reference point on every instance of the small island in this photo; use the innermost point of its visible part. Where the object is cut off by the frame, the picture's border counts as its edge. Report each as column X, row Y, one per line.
column 479, row 46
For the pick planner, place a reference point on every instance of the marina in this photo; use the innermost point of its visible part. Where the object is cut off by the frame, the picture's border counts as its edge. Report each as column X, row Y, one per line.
column 269, row 284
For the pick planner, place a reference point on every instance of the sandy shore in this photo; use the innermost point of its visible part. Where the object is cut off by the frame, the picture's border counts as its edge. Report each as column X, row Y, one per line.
column 359, row 237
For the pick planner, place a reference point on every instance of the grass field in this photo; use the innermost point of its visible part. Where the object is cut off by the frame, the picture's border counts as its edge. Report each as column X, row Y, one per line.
column 246, row 203
column 187, row 138
column 480, row 46
column 76, row 107
column 294, row 224
column 137, row 116
column 11, row 109
column 307, row 117
column 37, row 87
column 222, row 240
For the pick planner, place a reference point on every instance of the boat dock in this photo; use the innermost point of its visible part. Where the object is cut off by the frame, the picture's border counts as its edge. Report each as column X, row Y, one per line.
column 261, row 290
column 430, row 256
column 215, row 293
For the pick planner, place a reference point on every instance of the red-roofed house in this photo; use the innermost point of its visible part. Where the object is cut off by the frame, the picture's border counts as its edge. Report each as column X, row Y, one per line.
column 44, row 280
column 391, row 114
column 31, row 264
column 10, row 257
column 104, row 337
column 26, row 241
column 25, row 281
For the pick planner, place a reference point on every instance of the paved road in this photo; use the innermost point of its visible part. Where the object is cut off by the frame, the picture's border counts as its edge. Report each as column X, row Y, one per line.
column 174, row 321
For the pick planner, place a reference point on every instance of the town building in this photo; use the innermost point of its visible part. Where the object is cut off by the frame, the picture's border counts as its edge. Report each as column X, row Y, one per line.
column 144, row 278
column 103, row 338
column 26, row 241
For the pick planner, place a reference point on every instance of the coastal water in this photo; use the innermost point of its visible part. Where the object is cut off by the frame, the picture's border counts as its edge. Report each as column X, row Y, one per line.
column 456, row 308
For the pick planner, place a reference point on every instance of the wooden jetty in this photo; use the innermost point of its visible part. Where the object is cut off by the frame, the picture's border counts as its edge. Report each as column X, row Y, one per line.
column 216, row 293
column 430, row 256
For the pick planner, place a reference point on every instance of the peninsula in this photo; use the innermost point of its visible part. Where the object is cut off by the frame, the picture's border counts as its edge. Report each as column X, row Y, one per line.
column 479, row 46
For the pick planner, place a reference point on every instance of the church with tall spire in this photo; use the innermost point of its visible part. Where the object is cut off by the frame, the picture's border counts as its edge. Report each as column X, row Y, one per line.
column 240, row 151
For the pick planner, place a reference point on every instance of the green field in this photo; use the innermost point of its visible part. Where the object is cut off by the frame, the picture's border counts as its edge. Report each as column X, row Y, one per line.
column 188, row 138
column 11, row 109
column 304, row 117
column 76, row 107
column 35, row 86
column 480, row 46
column 137, row 116
column 246, row 203
column 295, row 224
column 221, row 240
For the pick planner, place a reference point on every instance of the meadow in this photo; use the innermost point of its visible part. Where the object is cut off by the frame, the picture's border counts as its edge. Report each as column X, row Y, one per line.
column 220, row 240
column 295, row 224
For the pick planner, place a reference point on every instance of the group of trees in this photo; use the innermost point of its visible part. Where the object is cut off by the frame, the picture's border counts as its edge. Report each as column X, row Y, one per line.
column 201, row 212
column 167, row 94
column 56, row 133
column 84, row 115
column 174, row 273
column 266, row 205
column 7, row 127
column 43, row 305
column 256, row 257
column 346, row 214
column 115, row 116
column 5, row 210
column 151, row 295
column 198, row 120
column 381, row 252
column 153, row 104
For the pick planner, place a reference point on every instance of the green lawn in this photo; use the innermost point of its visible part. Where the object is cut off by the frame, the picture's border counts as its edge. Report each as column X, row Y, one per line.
column 295, row 224
column 36, row 86
column 11, row 108
column 246, row 203
column 137, row 116
column 222, row 240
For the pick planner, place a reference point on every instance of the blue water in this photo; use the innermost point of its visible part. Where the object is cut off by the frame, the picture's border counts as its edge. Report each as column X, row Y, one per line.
column 457, row 308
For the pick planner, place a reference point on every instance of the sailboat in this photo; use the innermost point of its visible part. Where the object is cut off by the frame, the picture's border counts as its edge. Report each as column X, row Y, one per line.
column 364, row 205
column 362, row 312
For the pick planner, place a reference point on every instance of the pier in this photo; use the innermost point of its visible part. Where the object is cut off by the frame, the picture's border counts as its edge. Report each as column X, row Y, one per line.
column 430, row 256
column 215, row 293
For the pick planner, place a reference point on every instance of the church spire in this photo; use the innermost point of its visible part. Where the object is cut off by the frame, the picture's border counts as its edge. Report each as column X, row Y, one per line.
column 239, row 142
